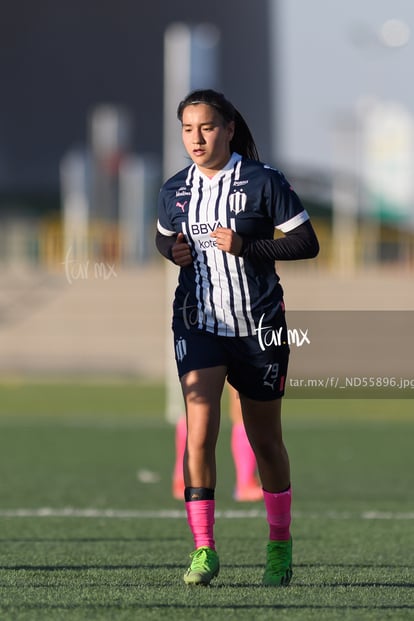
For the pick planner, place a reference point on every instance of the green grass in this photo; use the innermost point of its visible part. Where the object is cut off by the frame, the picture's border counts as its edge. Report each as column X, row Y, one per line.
column 86, row 446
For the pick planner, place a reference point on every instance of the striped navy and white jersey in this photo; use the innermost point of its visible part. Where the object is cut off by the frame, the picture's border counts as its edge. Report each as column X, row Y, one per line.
column 221, row 293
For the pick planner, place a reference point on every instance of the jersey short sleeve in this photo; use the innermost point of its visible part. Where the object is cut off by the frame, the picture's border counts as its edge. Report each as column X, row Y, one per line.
column 164, row 224
column 173, row 201
column 284, row 204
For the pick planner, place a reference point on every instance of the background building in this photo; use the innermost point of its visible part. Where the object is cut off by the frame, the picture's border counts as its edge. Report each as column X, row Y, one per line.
column 61, row 59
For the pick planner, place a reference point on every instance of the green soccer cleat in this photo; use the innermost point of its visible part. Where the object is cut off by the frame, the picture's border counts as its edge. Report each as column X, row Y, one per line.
column 204, row 567
column 278, row 570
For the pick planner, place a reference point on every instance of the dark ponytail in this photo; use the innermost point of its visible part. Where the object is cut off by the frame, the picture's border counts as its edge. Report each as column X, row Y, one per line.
column 242, row 141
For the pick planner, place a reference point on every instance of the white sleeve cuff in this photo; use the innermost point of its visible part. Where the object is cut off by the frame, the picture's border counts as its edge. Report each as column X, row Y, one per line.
column 294, row 222
column 164, row 231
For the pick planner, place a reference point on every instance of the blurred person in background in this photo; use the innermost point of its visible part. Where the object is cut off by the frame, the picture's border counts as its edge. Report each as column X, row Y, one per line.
column 216, row 221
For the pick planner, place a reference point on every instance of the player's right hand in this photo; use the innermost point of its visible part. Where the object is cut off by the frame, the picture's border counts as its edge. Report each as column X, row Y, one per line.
column 181, row 252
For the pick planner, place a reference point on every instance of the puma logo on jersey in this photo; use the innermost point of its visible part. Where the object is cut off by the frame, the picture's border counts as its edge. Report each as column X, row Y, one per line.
column 181, row 205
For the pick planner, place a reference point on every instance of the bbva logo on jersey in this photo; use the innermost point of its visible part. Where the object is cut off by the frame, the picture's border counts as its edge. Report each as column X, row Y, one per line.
column 237, row 201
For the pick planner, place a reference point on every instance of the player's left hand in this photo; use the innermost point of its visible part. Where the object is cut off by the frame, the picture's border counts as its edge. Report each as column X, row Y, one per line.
column 227, row 240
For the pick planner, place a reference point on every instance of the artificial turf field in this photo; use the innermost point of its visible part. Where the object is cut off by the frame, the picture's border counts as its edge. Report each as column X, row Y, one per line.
column 88, row 528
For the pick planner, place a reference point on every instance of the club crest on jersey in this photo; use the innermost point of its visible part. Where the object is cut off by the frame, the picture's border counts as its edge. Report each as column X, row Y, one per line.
column 237, row 201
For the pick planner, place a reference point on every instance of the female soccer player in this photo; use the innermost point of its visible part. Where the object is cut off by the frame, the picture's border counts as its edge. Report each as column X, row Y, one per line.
column 216, row 221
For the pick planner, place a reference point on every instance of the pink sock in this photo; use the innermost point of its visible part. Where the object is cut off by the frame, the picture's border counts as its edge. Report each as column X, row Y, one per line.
column 200, row 517
column 243, row 456
column 278, row 514
column 180, row 440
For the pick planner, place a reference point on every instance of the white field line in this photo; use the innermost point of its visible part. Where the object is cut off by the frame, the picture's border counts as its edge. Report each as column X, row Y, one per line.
column 71, row 512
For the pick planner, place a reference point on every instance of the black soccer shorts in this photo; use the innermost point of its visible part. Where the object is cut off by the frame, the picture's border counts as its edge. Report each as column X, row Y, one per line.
column 256, row 365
